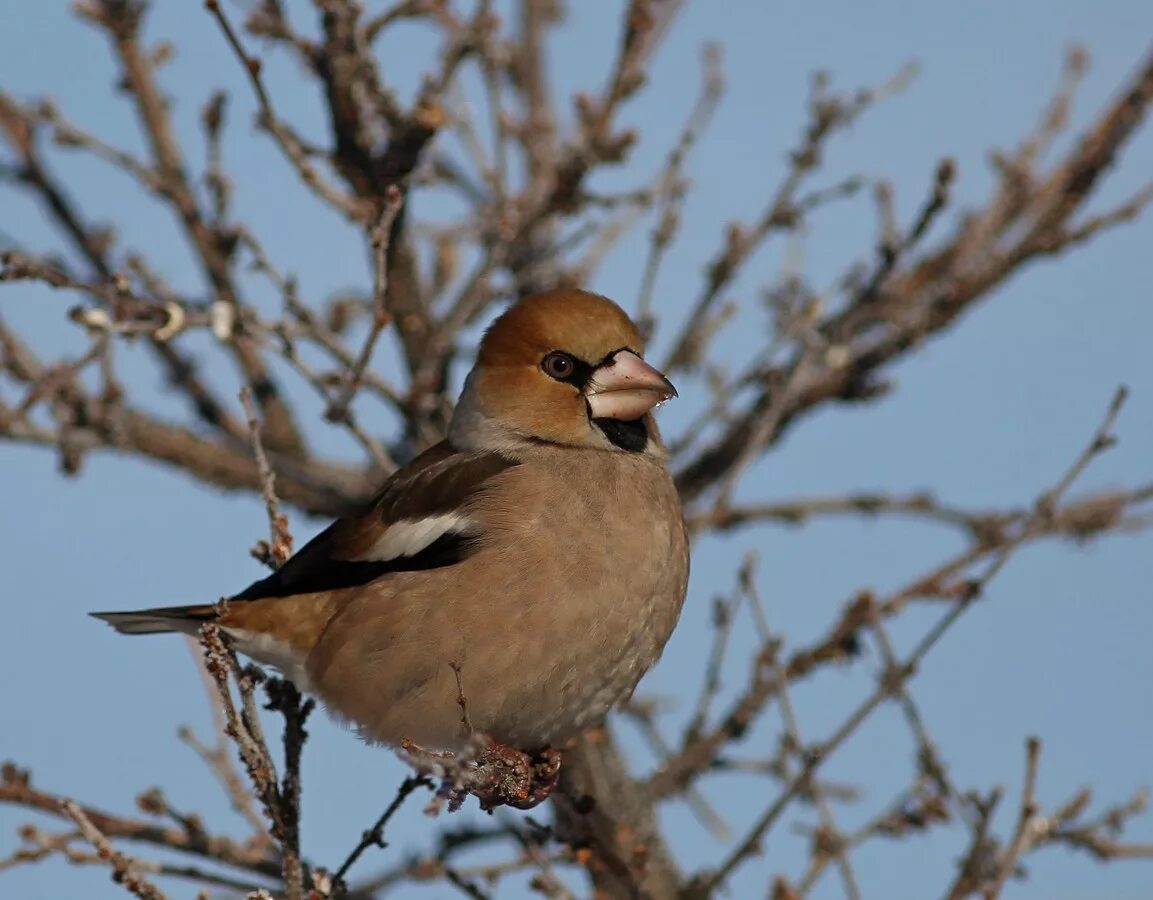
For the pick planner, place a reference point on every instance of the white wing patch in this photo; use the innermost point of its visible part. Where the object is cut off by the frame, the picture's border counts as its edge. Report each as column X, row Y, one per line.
column 409, row 536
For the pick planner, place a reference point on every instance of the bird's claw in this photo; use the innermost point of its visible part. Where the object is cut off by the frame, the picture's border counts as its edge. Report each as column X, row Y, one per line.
column 515, row 778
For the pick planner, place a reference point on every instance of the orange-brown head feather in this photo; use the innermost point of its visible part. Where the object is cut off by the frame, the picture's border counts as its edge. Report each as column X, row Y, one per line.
column 511, row 390
column 582, row 323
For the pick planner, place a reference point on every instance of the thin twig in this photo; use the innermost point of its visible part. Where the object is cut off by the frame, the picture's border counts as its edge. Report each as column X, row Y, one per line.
column 381, row 236
column 352, row 207
column 671, row 193
column 124, row 870
column 374, row 837
column 829, row 840
column 1026, row 822
column 278, row 549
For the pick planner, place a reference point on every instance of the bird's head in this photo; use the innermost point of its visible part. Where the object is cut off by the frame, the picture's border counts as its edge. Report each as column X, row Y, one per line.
column 564, row 367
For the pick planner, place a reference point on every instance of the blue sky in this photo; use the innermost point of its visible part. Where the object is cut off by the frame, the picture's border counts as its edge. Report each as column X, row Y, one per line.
column 990, row 415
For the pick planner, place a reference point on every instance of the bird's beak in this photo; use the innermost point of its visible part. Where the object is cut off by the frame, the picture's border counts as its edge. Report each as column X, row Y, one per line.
column 626, row 388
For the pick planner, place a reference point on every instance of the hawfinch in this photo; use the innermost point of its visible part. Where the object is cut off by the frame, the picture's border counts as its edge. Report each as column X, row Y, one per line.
column 538, row 554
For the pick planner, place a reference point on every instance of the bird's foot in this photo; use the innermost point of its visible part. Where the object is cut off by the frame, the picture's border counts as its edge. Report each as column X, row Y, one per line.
column 495, row 773
column 511, row 777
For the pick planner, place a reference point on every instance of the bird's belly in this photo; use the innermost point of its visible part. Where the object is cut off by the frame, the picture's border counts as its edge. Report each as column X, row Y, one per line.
column 536, row 682
column 565, row 674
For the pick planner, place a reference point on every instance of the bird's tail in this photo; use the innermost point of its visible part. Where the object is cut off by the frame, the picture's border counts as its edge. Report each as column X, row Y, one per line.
column 181, row 619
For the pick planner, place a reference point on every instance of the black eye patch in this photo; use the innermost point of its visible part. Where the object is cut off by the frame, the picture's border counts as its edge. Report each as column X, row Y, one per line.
column 562, row 366
column 567, row 368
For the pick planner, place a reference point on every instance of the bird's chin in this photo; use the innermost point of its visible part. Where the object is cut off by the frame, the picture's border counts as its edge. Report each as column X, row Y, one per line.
column 625, row 405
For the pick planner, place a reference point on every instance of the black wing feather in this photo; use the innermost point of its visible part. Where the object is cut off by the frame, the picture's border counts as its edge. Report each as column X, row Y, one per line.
column 437, row 482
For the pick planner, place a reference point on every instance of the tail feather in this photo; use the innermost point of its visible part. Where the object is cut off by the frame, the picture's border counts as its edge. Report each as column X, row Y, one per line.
column 162, row 620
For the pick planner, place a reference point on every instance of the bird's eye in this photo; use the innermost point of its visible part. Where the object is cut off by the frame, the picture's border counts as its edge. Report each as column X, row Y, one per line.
column 558, row 365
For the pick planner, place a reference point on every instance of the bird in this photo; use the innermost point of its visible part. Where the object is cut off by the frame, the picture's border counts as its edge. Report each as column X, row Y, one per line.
column 532, row 565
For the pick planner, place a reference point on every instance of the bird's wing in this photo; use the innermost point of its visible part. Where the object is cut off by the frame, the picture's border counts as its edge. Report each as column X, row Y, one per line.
column 420, row 519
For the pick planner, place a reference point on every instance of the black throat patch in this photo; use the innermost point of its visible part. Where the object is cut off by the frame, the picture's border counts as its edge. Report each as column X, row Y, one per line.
column 632, row 435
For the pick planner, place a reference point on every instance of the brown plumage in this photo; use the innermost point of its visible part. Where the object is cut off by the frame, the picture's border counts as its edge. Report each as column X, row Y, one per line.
column 539, row 550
